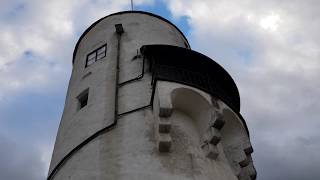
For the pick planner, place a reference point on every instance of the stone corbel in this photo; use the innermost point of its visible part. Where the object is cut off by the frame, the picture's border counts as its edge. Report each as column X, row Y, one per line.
column 163, row 134
column 210, row 151
column 218, row 121
column 238, row 157
column 248, row 172
column 162, row 111
column 165, row 105
column 212, row 136
column 248, row 150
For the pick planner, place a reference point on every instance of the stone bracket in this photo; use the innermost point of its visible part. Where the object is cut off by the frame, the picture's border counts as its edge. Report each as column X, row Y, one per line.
column 211, row 151
column 248, row 172
column 212, row 136
column 218, row 121
column 164, row 142
column 162, row 112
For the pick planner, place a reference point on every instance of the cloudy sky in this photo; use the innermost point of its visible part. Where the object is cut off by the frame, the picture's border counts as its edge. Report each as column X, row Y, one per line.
column 271, row 48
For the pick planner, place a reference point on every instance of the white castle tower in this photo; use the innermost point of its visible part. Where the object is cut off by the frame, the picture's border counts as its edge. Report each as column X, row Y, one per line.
column 141, row 105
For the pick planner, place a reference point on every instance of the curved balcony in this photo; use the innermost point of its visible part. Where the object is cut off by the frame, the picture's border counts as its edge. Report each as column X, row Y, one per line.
column 189, row 67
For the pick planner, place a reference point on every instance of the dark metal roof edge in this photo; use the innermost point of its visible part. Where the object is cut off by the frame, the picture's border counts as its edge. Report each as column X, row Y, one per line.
column 243, row 121
column 118, row 13
column 143, row 48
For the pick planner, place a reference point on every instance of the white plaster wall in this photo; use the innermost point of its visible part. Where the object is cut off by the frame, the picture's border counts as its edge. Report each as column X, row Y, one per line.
column 75, row 126
column 192, row 114
column 130, row 150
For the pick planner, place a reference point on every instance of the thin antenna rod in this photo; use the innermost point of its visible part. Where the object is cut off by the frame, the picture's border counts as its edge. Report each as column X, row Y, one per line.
column 131, row 5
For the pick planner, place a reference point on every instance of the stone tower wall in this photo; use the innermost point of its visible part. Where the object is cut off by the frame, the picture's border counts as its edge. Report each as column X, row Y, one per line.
column 161, row 138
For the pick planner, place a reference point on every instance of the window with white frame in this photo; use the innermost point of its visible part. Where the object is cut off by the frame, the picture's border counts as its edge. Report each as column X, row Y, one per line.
column 97, row 54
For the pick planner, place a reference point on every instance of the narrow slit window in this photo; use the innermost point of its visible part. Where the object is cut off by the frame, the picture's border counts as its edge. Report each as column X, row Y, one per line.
column 83, row 99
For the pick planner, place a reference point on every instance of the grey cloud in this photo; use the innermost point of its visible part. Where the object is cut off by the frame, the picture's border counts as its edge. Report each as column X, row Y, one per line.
column 292, row 160
column 19, row 162
column 282, row 112
column 277, row 73
column 48, row 30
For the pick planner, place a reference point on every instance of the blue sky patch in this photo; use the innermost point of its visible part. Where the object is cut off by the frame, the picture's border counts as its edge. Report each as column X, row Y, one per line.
column 14, row 13
column 245, row 55
column 161, row 9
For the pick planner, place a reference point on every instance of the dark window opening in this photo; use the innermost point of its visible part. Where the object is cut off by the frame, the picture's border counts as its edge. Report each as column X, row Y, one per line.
column 97, row 54
column 83, row 99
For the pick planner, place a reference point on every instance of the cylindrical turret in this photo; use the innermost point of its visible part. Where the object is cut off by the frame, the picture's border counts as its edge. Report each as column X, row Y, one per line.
column 142, row 105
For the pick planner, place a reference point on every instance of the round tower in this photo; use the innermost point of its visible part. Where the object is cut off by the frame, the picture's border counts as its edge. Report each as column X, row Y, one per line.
column 142, row 105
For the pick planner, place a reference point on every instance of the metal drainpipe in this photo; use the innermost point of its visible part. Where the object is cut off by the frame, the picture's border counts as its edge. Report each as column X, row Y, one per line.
column 119, row 31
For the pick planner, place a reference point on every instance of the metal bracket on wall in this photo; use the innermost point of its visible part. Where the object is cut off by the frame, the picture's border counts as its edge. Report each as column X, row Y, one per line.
column 140, row 76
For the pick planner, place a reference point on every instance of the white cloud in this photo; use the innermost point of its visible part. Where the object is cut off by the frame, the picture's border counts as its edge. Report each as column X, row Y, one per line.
column 272, row 49
column 48, row 30
column 36, row 44
column 270, row 22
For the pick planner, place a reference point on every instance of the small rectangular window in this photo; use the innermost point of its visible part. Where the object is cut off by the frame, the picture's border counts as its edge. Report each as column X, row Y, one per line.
column 83, row 99
column 96, row 55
